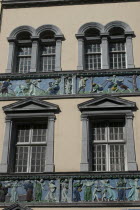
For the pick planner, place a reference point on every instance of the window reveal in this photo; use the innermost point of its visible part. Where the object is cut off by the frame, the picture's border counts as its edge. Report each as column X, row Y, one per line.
column 31, row 148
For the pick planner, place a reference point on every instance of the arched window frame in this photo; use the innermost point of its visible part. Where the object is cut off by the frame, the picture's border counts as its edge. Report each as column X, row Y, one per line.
column 104, row 34
column 35, row 34
column 81, row 39
column 128, row 35
column 13, row 44
column 58, row 38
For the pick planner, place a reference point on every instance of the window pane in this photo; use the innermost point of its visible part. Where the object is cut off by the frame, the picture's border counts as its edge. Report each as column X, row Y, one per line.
column 24, row 59
column 99, row 158
column 116, row 131
column 24, row 64
column 48, row 58
column 21, row 159
column 23, row 133
column 117, row 157
column 38, row 158
column 39, row 133
column 93, row 56
column 98, row 131
column 24, row 51
column 117, row 55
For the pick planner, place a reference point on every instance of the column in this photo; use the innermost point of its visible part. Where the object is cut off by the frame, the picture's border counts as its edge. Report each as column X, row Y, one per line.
column 84, row 166
column 11, row 56
column 129, row 52
column 50, row 145
column 6, row 147
column 105, row 53
column 74, row 83
column 80, row 52
column 70, row 190
column 58, row 55
column 34, row 55
column 131, row 157
column 62, row 85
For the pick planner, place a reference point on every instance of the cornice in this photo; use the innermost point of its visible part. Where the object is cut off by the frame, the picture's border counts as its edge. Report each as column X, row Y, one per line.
column 40, row 3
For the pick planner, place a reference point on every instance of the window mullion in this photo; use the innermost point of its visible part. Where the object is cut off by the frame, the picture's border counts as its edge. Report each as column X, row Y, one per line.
column 30, row 148
column 107, row 147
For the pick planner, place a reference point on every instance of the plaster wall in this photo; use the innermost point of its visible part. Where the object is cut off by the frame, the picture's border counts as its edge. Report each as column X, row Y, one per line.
column 69, row 19
column 68, row 133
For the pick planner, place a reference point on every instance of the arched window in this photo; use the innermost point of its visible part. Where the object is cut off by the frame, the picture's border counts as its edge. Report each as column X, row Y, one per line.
column 49, row 46
column 20, row 50
column 117, row 48
column 92, row 57
column 120, row 45
column 91, row 47
column 24, row 51
column 33, row 50
column 47, row 51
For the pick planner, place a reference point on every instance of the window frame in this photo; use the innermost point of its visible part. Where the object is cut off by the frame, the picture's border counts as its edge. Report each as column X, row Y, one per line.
column 106, row 107
column 105, row 37
column 30, row 143
column 18, row 56
column 35, row 42
column 47, row 43
column 87, row 54
column 38, row 110
column 107, row 142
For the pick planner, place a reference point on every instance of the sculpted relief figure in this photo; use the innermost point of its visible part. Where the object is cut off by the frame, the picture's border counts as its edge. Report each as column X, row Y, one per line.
column 68, row 85
column 77, row 189
column 64, row 191
column 88, row 190
column 108, row 192
column 28, row 185
column 121, row 186
column 133, row 194
column 38, row 189
column 82, row 84
column 50, row 197
column 14, row 194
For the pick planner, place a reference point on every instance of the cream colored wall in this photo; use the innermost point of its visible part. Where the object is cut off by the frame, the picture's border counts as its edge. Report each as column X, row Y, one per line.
column 69, row 19
column 68, row 133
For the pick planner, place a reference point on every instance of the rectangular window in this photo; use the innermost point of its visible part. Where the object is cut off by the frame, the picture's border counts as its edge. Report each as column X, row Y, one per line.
column 24, row 59
column 48, row 58
column 31, row 148
column 108, row 145
column 93, row 56
column 117, row 55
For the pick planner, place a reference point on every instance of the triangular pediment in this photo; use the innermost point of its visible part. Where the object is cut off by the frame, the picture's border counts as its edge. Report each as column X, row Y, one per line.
column 31, row 104
column 107, row 102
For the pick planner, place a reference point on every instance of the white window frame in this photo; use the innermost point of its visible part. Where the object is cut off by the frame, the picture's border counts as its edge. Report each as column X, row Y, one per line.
column 107, row 142
column 30, row 144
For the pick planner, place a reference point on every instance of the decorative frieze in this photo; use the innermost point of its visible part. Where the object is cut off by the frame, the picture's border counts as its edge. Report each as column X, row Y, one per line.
column 70, row 189
column 69, row 84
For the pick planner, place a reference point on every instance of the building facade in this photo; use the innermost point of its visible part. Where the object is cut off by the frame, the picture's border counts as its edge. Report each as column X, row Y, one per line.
column 69, row 104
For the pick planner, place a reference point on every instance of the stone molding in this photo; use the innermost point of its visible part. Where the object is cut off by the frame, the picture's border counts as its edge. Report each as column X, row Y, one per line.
column 40, row 3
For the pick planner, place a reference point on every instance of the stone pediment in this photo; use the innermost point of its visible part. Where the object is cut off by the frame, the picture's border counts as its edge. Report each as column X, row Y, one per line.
column 107, row 102
column 31, row 104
